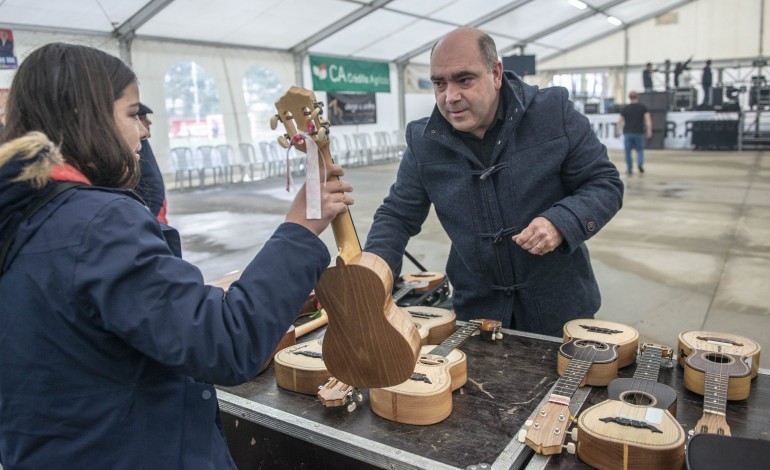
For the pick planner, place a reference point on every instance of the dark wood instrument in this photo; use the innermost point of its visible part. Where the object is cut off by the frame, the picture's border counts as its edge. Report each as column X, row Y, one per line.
column 370, row 341
column 426, row 398
column 635, row 428
column 644, row 389
column 578, row 359
column 720, row 367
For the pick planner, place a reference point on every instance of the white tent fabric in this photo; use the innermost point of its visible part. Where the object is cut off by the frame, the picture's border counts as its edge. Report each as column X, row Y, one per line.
column 388, row 30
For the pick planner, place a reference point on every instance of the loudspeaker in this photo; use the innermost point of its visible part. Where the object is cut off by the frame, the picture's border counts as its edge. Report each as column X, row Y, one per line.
column 714, row 135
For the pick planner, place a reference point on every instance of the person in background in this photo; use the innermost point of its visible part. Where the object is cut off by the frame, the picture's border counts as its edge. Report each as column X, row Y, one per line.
column 636, row 125
column 519, row 182
column 150, row 188
column 110, row 342
column 647, row 77
column 706, row 81
column 679, row 70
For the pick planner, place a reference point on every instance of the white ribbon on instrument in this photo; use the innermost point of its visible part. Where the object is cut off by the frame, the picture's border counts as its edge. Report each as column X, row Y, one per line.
column 312, row 178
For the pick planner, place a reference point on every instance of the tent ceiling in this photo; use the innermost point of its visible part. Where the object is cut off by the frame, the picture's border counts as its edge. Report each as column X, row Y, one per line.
column 388, row 30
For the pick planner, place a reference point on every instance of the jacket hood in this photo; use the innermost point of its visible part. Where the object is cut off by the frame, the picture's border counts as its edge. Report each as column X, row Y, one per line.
column 26, row 164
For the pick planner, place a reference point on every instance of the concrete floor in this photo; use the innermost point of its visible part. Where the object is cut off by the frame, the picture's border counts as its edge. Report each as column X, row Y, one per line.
column 690, row 250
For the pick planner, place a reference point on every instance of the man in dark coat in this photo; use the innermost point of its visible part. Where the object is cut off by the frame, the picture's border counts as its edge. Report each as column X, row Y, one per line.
column 706, row 80
column 518, row 180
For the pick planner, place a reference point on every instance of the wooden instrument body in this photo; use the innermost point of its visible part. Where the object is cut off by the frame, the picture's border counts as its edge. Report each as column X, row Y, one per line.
column 630, row 442
column 586, row 357
column 433, row 324
column 643, row 389
column 433, row 279
column 602, row 356
column 301, row 368
column 423, row 401
column 609, row 332
column 729, row 355
column 654, row 394
column 370, row 341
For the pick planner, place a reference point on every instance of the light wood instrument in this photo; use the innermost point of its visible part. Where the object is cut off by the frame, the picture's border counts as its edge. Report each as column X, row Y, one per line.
column 370, row 341
column 433, row 279
column 635, row 428
column 433, row 324
column 720, row 367
column 426, row 398
column 606, row 332
column 578, row 359
column 301, row 368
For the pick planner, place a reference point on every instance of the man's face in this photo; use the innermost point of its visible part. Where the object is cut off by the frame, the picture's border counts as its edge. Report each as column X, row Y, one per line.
column 467, row 93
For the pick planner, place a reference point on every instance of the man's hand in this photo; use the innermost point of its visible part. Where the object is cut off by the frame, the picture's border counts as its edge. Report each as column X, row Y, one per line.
column 540, row 237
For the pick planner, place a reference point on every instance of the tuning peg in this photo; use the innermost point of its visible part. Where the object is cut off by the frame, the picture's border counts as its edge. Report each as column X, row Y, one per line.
column 322, row 134
column 274, row 122
column 571, row 448
column 574, row 434
column 283, row 141
column 521, row 436
column 351, row 406
column 315, row 113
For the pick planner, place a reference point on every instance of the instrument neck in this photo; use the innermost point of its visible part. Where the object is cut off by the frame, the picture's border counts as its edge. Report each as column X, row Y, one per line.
column 573, row 375
column 715, row 391
column 648, row 364
column 454, row 341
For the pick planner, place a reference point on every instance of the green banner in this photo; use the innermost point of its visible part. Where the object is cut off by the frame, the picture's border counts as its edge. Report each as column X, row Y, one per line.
column 335, row 74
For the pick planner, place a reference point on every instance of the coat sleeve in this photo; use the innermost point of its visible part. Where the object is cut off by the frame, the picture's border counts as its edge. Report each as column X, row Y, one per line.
column 591, row 180
column 128, row 279
column 401, row 214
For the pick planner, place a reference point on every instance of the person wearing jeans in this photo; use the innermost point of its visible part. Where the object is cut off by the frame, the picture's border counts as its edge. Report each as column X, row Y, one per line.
column 636, row 124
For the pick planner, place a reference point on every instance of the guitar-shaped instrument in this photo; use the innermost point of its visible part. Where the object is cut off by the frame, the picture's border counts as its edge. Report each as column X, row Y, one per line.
column 318, row 320
column 426, row 398
column 606, row 332
column 720, row 367
column 370, row 341
column 580, row 361
column 635, row 428
column 432, row 280
column 643, row 388
column 301, row 368
column 433, row 324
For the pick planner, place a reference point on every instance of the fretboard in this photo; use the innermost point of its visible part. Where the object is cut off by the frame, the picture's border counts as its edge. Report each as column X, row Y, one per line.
column 715, row 391
column 648, row 364
column 570, row 380
column 454, row 341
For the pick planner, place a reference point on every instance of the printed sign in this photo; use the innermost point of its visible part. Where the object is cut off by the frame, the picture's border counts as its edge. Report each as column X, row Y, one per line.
column 7, row 58
column 334, row 74
column 351, row 108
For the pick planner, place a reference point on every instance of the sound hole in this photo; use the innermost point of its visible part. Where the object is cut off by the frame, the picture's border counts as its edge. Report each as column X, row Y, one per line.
column 587, row 343
column 431, row 360
column 718, row 358
column 638, row 398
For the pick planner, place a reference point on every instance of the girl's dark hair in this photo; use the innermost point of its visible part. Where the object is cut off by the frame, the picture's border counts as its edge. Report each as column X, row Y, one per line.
column 68, row 92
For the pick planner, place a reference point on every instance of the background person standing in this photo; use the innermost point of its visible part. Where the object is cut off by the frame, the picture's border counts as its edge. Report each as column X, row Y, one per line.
column 706, row 80
column 636, row 124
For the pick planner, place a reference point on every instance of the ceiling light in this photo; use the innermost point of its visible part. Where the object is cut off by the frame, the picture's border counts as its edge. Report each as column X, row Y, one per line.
column 577, row 4
column 614, row 21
